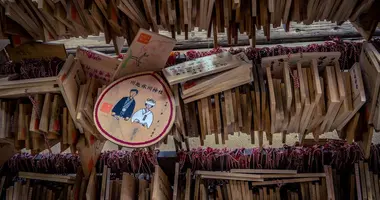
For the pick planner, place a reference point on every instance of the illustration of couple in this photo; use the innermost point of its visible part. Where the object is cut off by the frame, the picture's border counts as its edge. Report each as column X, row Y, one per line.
column 125, row 107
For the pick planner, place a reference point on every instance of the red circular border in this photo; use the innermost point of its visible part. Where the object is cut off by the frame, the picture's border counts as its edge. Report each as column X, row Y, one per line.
column 130, row 144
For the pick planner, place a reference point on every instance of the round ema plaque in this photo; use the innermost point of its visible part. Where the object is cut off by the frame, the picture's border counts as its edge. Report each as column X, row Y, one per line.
column 135, row 111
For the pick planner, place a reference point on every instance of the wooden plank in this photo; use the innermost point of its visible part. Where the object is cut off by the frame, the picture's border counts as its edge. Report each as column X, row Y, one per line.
column 279, row 104
column 180, row 73
column 358, row 93
column 272, row 98
column 196, row 188
column 305, row 99
column 216, row 173
column 176, row 177
column 263, row 171
column 201, row 122
column 368, row 181
column 143, row 187
column 283, row 181
column 376, row 185
column 343, row 110
column 372, row 185
column 46, row 113
column 238, row 107
column 229, row 111
column 357, row 182
column 297, row 108
column 188, row 184
column 363, row 180
column 161, row 185
column 227, row 177
column 128, row 187
column 300, row 175
column 288, row 86
column 329, row 182
column 351, row 128
column 104, row 183
column 217, row 117
column 371, row 71
column 332, row 94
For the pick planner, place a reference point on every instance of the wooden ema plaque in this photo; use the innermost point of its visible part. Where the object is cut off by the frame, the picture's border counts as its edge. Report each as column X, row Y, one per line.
column 275, row 62
column 136, row 110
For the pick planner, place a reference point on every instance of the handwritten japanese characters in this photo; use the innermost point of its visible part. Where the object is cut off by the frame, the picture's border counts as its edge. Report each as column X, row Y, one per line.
column 98, row 65
column 202, row 67
column 148, row 52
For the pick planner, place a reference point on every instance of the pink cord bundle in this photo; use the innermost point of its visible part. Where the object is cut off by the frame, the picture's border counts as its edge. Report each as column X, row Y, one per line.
column 304, row 159
column 339, row 154
column 33, row 68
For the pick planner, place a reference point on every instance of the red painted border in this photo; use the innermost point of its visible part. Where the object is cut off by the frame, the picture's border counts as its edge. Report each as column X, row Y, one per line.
column 130, row 143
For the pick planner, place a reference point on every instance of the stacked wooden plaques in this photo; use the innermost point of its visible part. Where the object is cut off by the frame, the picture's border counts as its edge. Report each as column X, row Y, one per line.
column 156, row 186
column 52, row 20
column 210, row 89
column 259, row 184
column 76, row 186
column 310, row 93
column 366, row 182
column 370, row 65
column 81, row 80
column 37, row 122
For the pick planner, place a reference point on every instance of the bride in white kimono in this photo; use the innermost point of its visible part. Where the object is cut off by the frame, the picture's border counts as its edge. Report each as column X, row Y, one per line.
column 145, row 116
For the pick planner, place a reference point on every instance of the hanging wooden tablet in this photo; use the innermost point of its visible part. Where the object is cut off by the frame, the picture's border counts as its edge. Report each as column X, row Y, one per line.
column 45, row 113
column 206, row 116
column 332, row 96
column 201, row 118
column 211, row 118
column 256, row 100
column 342, row 95
column 200, row 67
column 274, row 62
column 216, row 118
column 103, row 183
column 21, row 133
column 148, row 52
column 128, row 187
column 91, row 187
column 272, row 99
column 55, row 122
column 234, row 106
column 297, row 109
column 279, row 105
column 176, row 192
column 196, row 86
column 285, row 123
column 69, row 80
column 96, row 64
column 305, row 98
column 358, row 93
column 188, row 184
column 161, row 185
column 371, row 70
column 117, row 119
column 35, row 120
column 320, row 109
column 224, row 119
column 230, row 118
column 225, row 85
column 315, row 90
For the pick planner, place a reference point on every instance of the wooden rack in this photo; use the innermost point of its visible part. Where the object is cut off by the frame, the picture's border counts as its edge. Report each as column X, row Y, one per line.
column 52, row 20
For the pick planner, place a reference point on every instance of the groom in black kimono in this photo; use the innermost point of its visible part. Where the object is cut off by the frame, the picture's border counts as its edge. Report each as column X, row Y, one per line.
column 124, row 108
